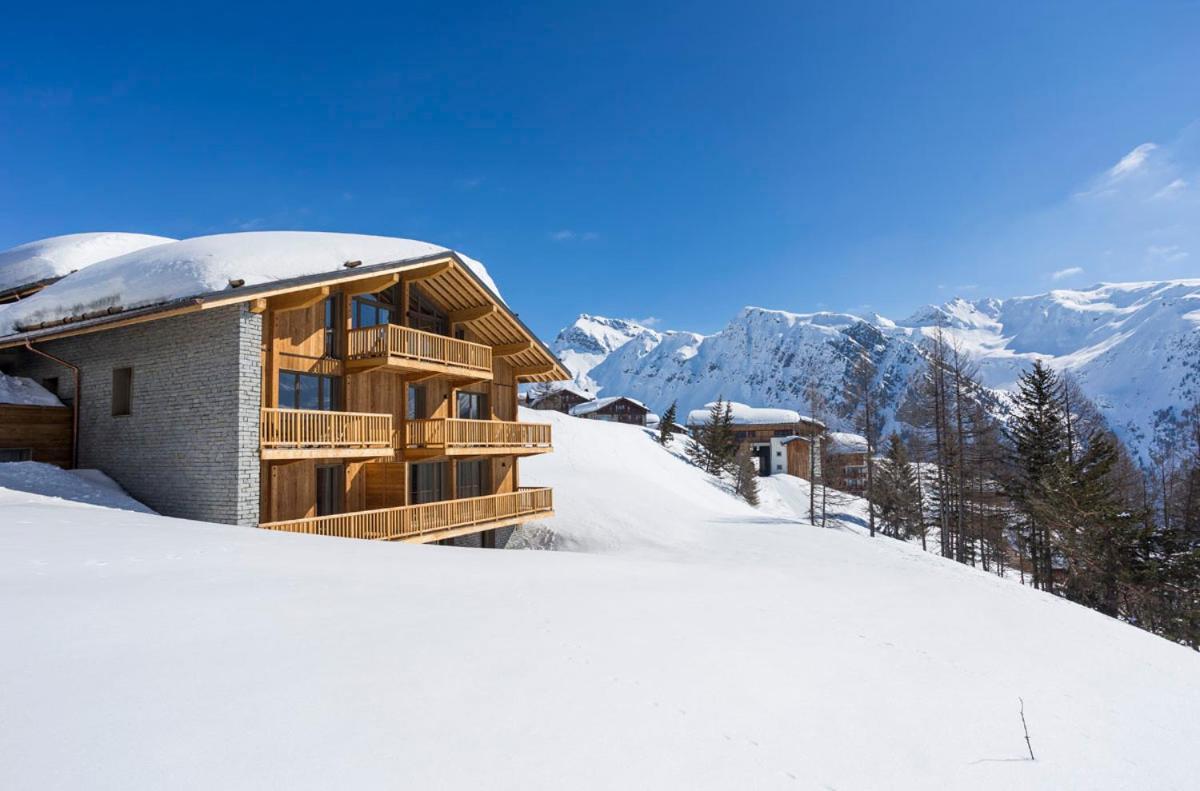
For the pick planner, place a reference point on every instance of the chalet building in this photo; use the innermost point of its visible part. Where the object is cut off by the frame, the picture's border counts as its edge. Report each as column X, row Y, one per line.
column 846, row 456
column 615, row 409
column 560, row 399
column 780, row 440
column 331, row 384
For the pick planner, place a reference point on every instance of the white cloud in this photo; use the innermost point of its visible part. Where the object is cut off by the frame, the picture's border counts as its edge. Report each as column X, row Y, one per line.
column 568, row 235
column 1171, row 190
column 1132, row 161
column 649, row 321
column 1063, row 274
column 1165, row 254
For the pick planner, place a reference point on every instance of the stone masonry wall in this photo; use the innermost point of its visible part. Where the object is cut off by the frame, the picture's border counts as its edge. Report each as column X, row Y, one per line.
column 190, row 446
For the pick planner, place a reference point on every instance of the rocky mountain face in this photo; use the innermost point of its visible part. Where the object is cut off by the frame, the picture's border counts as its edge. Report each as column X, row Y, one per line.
column 1133, row 347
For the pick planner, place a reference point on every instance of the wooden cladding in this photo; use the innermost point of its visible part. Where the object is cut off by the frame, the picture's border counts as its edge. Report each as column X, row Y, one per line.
column 466, row 436
column 41, row 433
column 314, row 433
column 437, row 353
column 430, row 521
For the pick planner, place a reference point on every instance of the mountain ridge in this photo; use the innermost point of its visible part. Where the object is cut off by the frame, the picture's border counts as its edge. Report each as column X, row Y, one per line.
column 1133, row 347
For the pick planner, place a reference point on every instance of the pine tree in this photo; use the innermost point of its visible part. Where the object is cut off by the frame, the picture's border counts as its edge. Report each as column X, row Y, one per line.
column 713, row 447
column 897, row 492
column 745, row 475
column 666, row 426
column 1038, row 436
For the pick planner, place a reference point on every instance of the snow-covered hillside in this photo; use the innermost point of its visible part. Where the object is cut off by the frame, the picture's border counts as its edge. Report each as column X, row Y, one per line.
column 691, row 641
column 1134, row 347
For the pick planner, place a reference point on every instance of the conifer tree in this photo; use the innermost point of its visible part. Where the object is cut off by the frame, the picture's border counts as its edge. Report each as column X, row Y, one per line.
column 1038, row 435
column 745, row 475
column 897, row 492
column 666, row 425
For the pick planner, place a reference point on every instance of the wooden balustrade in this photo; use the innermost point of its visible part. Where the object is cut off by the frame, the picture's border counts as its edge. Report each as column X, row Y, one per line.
column 430, row 521
column 298, row 433
column 453, row 434
column 426, row 350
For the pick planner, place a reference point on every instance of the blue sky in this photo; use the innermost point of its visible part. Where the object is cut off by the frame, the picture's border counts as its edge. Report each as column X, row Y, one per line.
column 632, row 159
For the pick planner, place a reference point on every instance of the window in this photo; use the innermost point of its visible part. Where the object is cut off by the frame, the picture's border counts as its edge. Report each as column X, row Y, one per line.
column 331, row 485
column 423, row 314
column 474, row 478
column 372, row 311
column 309, row 391
column 427, row 482
column 415, row 407
column 122, row 391
column 16, row 454
column 51, row 384
column 333, row 324
column 472, row 406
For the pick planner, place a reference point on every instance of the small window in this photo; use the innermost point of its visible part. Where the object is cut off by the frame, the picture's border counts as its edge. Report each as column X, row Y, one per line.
column 333, row 324
column 472, row 406
column 16, row 454
column 415, row 408
column 309, row 391
column 331, row 485
column 51, row 384
column 122, row 391
column 474, row 478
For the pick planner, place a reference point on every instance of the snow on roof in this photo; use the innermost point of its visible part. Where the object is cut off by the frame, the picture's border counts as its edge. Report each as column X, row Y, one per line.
column 600, row 403
column 45, row 259
column 845, row 442
column 748, row 415
column 560, row 387
column 207, row 264
column 25, row 392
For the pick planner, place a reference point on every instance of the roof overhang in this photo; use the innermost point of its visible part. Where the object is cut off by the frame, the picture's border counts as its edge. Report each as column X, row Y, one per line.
column 536, row 361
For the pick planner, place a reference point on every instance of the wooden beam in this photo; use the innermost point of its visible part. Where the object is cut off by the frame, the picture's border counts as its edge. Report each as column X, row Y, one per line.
column 533, row 370
column 509, row 349
column 426, row 272
column 258, row 306
column 472, row 314
column 371, row 285
column 300, row 299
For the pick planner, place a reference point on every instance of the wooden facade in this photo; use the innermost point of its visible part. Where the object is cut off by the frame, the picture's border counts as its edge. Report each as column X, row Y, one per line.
column 35, row 433
column 615, row 409
column 561, row 400
column 390, row 411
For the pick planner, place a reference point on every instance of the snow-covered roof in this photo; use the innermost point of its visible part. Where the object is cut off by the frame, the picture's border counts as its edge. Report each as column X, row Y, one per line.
column 25, row 392
column 46, row 259
column 749, row 415
column 845, row 442
column 560, row 387
column 600, row 403
column 206, row 264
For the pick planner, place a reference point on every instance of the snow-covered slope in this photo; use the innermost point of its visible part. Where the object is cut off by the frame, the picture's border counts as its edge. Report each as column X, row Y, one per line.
column 693, row 642
column 1134, row 347
column 33, row 262
column 206, row 264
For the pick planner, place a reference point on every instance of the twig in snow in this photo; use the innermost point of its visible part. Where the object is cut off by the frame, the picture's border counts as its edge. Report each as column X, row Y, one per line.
column 1026, row 727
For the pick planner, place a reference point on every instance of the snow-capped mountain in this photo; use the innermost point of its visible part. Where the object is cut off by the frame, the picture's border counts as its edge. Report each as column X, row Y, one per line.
column 1133, row 347
column 590, row 339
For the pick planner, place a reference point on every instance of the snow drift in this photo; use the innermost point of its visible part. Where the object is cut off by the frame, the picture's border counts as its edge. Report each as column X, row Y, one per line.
column 691, row 641
column 33, row 262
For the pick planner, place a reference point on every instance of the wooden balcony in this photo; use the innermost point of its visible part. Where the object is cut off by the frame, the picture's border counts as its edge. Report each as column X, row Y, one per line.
column 410, row 351
column 455, row 437
column 431, row 521
column 313, row 434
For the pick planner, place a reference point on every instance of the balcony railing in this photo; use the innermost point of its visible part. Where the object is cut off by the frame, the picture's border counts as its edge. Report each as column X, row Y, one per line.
column 465, row 436
column 430, row 521
column 403, row 347
column 299, row 433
